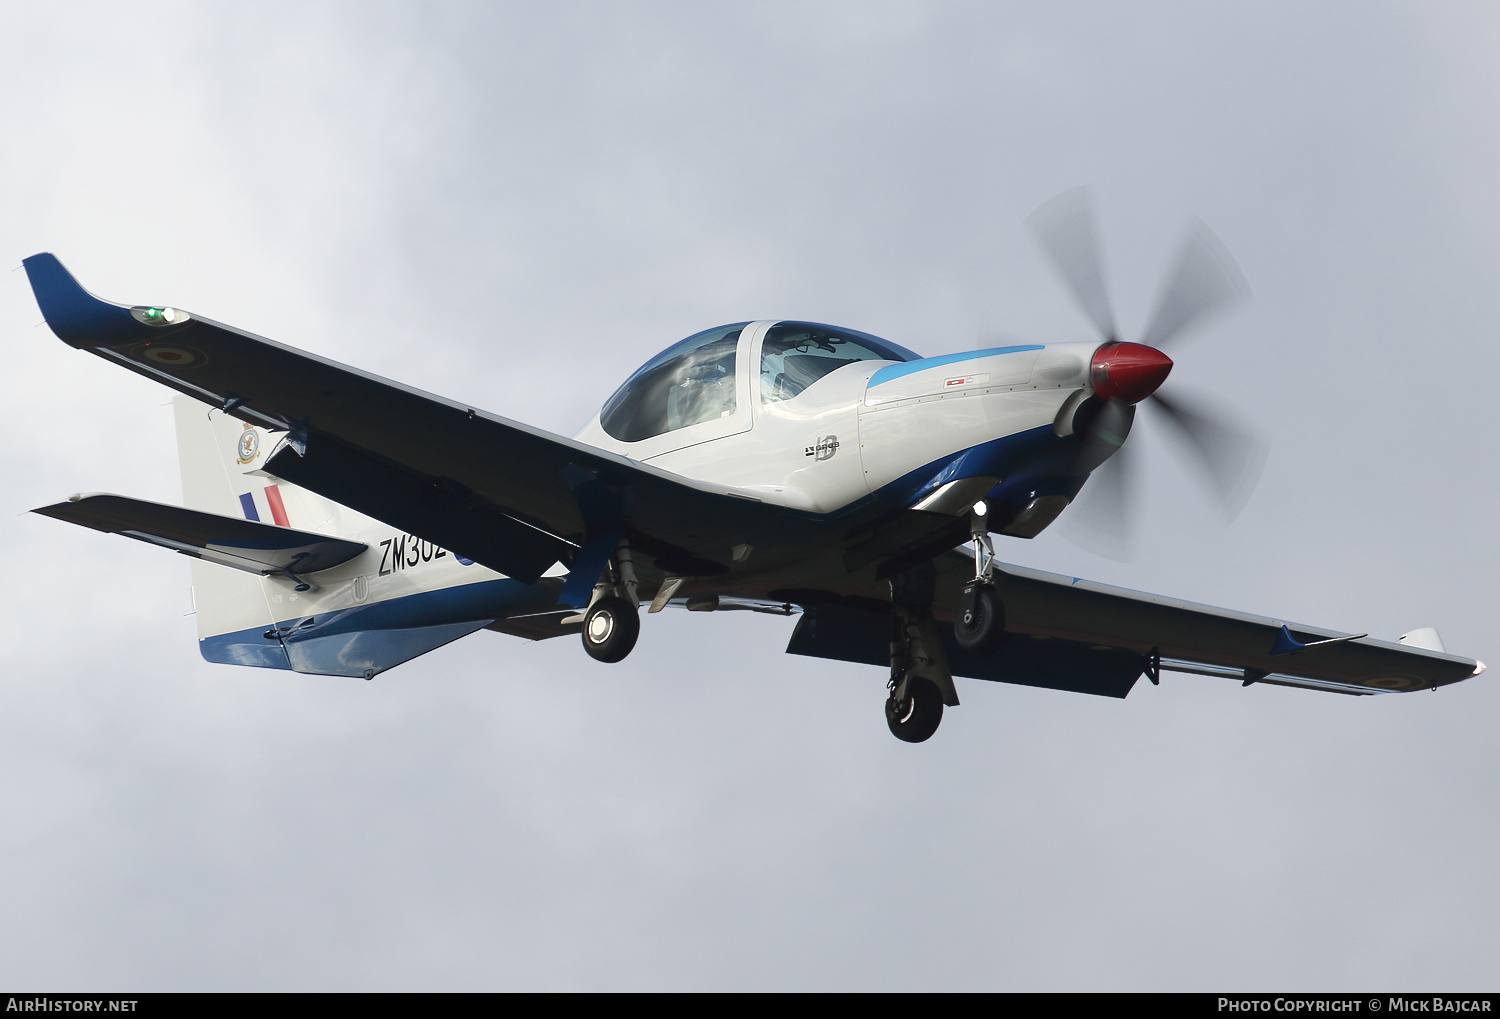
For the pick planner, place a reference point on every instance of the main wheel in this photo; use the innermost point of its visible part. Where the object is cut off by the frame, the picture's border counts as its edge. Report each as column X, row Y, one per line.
column 610, row 629
column 916, row 718
column 980, row 630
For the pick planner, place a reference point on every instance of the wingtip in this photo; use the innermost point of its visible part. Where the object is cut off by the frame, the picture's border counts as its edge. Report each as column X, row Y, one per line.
column 1286, row 644
column 77, row 317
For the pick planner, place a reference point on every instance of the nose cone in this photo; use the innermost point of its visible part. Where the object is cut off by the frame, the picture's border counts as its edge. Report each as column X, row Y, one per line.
column 1128, row 371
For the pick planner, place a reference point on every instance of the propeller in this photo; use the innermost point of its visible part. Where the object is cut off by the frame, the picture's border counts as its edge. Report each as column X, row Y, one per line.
column 1203, row 282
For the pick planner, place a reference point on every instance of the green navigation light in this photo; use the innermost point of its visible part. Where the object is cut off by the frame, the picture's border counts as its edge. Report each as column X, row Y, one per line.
column 159, row 317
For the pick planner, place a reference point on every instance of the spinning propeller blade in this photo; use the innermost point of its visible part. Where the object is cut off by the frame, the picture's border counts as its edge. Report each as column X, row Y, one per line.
column 1064, row 227
column 1203, row 282
column 1102, row 519
column 1232, row 457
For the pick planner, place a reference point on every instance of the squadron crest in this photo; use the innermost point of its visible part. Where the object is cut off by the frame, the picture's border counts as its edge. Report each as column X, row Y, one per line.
column 249, row 444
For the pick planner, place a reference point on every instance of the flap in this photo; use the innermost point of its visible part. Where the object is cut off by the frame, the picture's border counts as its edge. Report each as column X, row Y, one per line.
column 851, row 634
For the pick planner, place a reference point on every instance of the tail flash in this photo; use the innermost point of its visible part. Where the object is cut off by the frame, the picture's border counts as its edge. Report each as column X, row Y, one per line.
column 222, row 462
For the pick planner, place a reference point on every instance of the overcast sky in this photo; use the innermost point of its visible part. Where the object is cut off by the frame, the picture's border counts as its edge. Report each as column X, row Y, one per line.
column 517, row 204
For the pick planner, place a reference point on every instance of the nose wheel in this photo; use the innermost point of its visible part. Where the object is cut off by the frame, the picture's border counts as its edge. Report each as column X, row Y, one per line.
column 610, row 629
column 980, row 625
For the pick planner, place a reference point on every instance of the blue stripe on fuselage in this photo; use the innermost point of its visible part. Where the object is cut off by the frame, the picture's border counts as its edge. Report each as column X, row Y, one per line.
column 1032, row 452
column 892, row 372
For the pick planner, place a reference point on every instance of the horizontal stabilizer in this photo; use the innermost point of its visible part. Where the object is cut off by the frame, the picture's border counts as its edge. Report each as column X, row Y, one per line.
column 242, row 544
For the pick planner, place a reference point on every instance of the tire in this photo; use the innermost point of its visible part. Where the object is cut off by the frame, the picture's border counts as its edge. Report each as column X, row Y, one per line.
column 984, row 631
column 916, row 718
column 610, row 629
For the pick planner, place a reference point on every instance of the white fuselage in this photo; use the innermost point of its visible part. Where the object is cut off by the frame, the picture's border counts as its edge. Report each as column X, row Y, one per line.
column 889, row 429
column 865, row 425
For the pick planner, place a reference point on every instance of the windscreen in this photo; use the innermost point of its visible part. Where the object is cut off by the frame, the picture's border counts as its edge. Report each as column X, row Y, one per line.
column 686, row 384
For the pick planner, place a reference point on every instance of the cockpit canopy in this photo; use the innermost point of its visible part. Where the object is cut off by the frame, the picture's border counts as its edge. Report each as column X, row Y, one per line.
column 794, row 355
column 689, row 382
column 694, row 381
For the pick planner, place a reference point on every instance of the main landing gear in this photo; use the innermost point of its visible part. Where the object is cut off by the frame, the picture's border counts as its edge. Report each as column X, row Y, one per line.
column 612, row 621
column 980, row 624
column 610, row 628
column 916, row 716
column 920, row 683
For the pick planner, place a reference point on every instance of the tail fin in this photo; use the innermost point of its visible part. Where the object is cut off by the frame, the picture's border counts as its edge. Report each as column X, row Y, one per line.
column 234, row 608
column 361, row 617
column 221, row 458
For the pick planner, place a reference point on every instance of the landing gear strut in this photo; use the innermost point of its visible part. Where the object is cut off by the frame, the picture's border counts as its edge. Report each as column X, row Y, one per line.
column 920, row 683
column 980, row 624
column 612, row 622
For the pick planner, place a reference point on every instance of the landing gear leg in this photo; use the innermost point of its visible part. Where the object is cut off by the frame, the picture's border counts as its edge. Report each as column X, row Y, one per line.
column 920, row 683
column 612, row 622
column 980, row 625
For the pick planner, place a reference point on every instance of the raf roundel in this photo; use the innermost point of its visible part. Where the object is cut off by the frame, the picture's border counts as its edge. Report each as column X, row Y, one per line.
column 168, row 355
column 249, row 444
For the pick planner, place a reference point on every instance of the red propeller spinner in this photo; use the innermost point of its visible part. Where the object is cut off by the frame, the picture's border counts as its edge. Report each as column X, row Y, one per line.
column 1128, row 371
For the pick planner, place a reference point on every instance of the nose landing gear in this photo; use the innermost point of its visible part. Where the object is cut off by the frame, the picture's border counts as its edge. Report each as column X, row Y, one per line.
column 980, row 624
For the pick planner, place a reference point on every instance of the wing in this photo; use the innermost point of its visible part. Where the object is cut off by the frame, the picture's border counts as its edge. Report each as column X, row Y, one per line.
column 1188, row 637
column 1066, row 633
column 242, row 544
column 514, row 498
